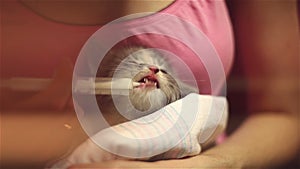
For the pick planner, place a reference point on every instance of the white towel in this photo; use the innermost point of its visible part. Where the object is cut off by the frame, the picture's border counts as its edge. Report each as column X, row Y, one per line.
column 178, row 130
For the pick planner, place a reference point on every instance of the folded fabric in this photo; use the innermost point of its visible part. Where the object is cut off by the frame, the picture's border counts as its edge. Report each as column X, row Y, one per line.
column 180, row 129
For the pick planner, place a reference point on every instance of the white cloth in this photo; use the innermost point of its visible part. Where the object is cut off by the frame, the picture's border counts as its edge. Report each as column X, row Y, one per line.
column 178, row 130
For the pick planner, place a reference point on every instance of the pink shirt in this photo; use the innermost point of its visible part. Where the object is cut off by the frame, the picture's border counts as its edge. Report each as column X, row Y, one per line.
column 32, row 46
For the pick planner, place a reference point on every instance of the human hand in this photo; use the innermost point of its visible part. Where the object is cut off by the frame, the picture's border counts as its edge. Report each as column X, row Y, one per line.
column 87, row 152
column 202, row 161
column 129, row 139
column 57, row 95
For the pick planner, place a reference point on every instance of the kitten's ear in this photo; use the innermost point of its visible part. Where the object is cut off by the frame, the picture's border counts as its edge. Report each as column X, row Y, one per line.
column 186, row 89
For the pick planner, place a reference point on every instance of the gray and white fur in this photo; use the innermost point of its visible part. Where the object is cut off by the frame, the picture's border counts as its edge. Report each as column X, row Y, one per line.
column 159, row 84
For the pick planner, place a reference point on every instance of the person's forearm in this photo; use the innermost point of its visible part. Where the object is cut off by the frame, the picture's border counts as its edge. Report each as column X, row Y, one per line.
column 265, row 140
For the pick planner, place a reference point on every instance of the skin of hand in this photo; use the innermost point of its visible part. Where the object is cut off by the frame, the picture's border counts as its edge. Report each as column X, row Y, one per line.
column 57, row 96
column 267, row 39
column 206, row 161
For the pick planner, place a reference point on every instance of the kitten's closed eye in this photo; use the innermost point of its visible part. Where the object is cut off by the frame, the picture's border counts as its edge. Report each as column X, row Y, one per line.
column 163, row 71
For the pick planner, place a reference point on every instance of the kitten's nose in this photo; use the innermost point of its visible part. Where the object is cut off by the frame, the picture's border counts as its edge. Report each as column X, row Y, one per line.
column 153, row 69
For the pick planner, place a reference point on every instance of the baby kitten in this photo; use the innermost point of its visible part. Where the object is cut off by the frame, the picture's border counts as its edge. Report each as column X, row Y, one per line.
column 149, row 67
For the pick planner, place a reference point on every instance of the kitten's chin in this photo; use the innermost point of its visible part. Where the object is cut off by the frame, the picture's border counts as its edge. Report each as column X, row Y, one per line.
column 148, row 100
column 154, row 92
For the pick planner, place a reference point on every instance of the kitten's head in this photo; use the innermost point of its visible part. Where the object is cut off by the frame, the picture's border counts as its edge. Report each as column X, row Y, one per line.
column 157, row 86
column 148, row 67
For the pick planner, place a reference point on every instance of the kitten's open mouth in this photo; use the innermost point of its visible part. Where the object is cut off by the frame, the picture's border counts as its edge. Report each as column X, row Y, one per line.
column 149, row 81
